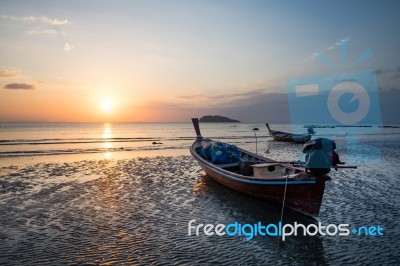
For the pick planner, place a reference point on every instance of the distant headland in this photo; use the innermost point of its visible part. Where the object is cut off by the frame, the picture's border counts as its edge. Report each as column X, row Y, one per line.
column 217, row 119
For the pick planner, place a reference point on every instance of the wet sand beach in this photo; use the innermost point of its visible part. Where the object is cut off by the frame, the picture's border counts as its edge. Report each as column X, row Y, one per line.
column 135, row 209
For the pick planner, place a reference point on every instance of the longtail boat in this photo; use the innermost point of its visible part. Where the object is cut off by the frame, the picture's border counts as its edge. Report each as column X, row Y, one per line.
column 260, row 177
column 288, row 137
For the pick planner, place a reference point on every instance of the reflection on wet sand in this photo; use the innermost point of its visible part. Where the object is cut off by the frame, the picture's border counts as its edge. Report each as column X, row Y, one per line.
column 107, row 134
column 245, row 209
column 107, row 145
column 107, row 155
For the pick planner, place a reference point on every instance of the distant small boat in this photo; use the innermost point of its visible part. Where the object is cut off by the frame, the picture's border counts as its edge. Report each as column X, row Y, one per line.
column 259, row 176
column 288, row 137
column 319, row 126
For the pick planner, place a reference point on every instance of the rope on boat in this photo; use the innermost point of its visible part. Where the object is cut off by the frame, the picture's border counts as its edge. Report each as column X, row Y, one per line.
column 283, row 207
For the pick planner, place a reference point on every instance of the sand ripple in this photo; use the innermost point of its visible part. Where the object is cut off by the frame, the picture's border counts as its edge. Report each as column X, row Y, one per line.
column 137, row 211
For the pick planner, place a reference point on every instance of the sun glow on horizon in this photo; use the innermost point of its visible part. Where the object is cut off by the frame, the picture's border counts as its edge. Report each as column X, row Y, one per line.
column 107, row 106
column 107, row 133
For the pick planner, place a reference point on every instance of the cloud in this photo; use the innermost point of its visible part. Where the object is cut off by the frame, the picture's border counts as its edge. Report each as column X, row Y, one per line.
column 389, row 102
column 40, row 19
column 8, row 72
column 68, row 47
column 254, row 105
column 330, row 47
column 19, row 86
column 396, row 72
column 42, row 25
column 225, row 100
column 382, row 71
column 36, row 32
column 251, row 106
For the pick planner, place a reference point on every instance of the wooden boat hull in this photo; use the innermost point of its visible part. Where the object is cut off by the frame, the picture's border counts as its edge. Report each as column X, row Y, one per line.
column 291, row 137
column 303, row 194
column 288, row 137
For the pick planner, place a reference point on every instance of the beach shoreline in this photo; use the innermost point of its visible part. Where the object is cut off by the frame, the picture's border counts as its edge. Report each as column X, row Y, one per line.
column 68, row 158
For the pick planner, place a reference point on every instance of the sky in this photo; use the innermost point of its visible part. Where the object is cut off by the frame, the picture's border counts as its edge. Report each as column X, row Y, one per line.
column 168, row 61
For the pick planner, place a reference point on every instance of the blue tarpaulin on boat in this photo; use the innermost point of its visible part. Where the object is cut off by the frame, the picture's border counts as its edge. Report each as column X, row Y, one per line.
column 205, row 151
column 224, row 153
column 220, row 153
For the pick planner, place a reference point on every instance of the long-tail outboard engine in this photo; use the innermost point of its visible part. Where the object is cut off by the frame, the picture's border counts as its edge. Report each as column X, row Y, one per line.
column 320, row 156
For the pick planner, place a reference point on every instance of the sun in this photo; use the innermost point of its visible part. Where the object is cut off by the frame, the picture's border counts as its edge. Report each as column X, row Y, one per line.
column 107, row 106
